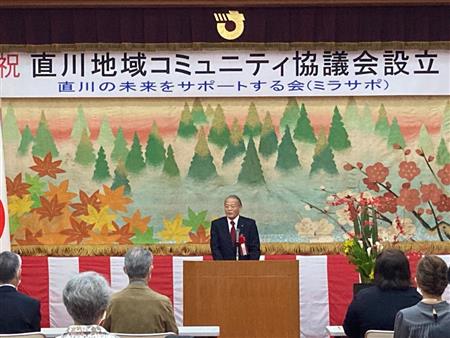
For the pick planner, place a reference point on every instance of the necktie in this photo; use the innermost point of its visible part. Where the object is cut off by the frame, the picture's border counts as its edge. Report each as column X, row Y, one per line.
column 233, row 232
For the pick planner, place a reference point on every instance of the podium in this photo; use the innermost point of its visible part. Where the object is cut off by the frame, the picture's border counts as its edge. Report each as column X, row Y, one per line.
column 247, row 299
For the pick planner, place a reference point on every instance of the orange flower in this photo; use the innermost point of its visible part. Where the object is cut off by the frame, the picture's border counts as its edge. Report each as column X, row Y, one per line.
column 408, row 170
column 377, row 172
column 444, row 174
column 387, row 203
column 409, row 198
column 430, row 192
column 444, row 203
column 371, row 185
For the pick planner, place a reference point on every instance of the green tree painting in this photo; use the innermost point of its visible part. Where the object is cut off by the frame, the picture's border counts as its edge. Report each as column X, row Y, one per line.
column 155, row 153
column 367, row 124
column 25, row 141
column 219, row 134
column 338, row 137
column 44, row 142
column 202, row 165
column 85, row 151
column 101, row 171
column 236, row 147
column 442, row 156
column 445, row 125
column 323, row 158
column 290, row 115
column 209, row 112
column 105, row 136
column 382, row 125
column 303, row 131
column 287, row 153
column 198, row 113
column 252, row 126
column 120, row 150
column 135, row 161
column 395, row 135
column 351, row 118
column 186, row 128
column 121, row 178
column 251, row 170
column 79, row 126
column 170, row 167
column 268, row 143
column 425, row 142
column 11, row 132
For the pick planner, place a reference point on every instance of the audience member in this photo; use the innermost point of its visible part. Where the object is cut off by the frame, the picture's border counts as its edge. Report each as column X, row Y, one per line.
column 374, row 308
column 86, row 297
column 429, row 318
column 18, row 312
column 137, row 308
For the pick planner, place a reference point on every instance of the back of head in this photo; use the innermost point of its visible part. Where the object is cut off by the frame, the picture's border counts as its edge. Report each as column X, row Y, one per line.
column 9, row 267
column 392, row 270
column 86, row 297
column 138, row 262
column 431, row 275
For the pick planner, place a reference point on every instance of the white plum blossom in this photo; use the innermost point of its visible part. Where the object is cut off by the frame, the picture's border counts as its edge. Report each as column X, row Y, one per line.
column 315, row 231
column 343, row 216
column 390, row 233
column 367, row 195
column 346, row 193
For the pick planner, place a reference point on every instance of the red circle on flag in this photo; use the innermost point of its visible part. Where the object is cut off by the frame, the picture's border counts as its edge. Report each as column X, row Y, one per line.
column 2, row 218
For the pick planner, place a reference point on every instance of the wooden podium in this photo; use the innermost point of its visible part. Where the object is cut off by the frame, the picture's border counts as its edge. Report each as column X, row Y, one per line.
column 247, row 299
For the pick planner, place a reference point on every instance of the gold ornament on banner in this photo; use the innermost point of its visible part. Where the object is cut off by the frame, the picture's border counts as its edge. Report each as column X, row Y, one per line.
column 230, row 18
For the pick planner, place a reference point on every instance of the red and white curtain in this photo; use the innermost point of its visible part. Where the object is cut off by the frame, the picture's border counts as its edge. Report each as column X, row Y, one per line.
column 325, row 285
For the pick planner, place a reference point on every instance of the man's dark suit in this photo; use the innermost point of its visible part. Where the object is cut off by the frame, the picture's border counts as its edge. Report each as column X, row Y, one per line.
column 223, row 248
column 18, row 312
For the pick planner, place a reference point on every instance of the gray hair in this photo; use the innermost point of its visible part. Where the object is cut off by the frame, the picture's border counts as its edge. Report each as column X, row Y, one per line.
column 86, row 297
column 10, row 263
column 137, row 262
column 236, row 197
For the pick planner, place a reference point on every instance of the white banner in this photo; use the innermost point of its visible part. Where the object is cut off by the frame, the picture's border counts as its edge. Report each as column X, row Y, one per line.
column 225, row 73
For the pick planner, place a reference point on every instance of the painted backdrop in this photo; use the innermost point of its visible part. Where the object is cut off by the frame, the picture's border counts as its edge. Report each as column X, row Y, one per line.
column 142, row 171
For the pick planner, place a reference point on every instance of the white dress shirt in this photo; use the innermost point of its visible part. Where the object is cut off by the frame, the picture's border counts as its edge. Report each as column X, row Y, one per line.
column 236, row 220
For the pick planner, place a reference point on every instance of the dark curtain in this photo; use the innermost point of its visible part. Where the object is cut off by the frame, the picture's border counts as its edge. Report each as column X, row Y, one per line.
column 196, row 26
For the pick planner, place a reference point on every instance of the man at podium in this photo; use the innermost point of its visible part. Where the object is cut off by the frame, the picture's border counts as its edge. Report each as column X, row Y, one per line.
column 234, row 237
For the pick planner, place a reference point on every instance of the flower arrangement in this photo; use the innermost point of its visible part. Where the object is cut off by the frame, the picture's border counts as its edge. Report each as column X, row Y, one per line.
column 363, row 242
column 416, row 190
column 363, row 245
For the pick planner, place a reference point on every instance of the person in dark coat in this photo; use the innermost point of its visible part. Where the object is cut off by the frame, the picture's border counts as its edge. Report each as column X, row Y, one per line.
column 375, row 308
column 234, row 236
column 18, row 312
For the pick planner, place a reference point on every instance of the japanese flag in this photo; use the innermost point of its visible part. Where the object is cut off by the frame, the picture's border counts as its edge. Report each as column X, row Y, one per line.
column 5, row 243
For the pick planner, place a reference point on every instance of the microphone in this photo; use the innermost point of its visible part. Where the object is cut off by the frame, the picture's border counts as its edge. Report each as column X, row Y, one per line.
column 236, row 243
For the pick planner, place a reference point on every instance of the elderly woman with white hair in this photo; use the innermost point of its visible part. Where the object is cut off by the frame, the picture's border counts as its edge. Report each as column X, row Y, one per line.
column 86, row 297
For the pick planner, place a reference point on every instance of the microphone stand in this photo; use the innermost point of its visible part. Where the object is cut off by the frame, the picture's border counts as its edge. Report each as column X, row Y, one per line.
column 236, row 243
